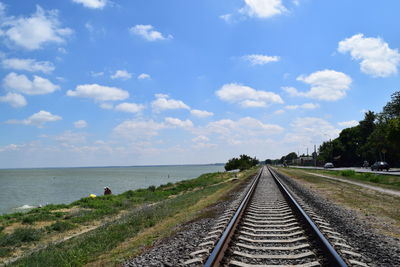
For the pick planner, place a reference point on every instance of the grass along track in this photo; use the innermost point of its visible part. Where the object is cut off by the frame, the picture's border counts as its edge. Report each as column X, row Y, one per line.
column 377, row 209
column 162, row 213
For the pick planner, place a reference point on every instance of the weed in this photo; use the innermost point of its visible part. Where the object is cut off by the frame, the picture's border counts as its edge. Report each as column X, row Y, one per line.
column 60, row 226
column 19, row 236
column 347, row 173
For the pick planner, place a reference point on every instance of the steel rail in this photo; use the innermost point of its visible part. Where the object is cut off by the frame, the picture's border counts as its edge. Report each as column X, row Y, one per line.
column 333, row 257
column 218, row 252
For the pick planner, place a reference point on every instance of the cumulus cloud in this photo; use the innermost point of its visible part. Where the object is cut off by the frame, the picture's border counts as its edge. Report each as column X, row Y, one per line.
column 80, row 124
column 310, row 131
column 377, row 58
column 347, row 124
column 21, row 83
column 121, row 74
column 129, row 107
column 247, row 96
column 163, row 102
column 178, row 123
column 106, row 106
column 28, row 65
column 138, row 129
column 201, row 113
column 144, row 76
column 15, row 100
column 303, row 106
column 38, row 119
column 68, row 138
column 200, row 138
column 263, row 8
column 260, row 59
column 35, row 31
column 241, row 131
column 148, row 33
column 94, row 4
column 99, row 92
column 328, row 85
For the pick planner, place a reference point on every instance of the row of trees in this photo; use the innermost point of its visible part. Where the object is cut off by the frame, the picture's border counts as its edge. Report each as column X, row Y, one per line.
column 242, row 163
column 376, row 138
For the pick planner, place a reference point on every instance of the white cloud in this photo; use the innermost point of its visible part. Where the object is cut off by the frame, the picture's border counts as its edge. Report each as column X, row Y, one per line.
column 228, row 18
column 201, row 113
column 179, row 123
column 244, row 130
column 15, row 100
column 96, row 74
column 95, row 4
column 106, row 106
column 309, row 131
column 279, row 111
column 303, row 106
column 37, row 119
column 144, row 76
column 247, row 96
column 33, row 32
column 129, row 107
column 377, row 58
column 346, row 124
column 163, row 102
column 328, row 85
column 99, row 92
column 148, row 33
column 138, row 129
column 68, row 138
column 121, row 74
column 80, row 124
column 28, row 65
column 263, row 8
column 200, row 138
column 20, row 83
column 260, row 59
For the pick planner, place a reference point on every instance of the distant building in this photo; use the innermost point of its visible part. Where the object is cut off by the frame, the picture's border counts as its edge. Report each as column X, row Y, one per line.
column 303, row 161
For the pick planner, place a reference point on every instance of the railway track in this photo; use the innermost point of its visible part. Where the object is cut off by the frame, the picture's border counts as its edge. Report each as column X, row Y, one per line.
column 270, row 228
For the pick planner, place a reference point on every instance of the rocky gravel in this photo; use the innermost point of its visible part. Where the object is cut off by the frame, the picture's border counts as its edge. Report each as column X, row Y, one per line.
column 175, row 250
column 377, row 249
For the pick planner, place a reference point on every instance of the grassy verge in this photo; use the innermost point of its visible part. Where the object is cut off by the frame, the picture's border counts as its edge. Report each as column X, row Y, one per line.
column 153, row 206
column 385, row 181
column 379, row 210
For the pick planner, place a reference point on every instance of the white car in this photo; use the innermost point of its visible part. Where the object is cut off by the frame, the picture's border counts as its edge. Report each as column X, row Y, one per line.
column 328, row 165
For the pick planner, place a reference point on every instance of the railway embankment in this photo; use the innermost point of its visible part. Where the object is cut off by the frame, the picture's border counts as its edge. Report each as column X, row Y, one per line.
column 107, row 230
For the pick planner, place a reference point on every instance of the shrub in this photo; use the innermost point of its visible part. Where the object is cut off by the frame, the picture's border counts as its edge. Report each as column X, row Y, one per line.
column 152, row 188
column 60, row 226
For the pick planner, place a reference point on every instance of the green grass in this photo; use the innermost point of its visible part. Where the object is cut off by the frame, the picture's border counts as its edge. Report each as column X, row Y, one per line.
column 387, row 181
column 20, row 235
column 81, row 250
column 88, row 210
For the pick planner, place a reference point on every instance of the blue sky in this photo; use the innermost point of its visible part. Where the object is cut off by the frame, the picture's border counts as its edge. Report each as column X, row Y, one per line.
column 101, row 82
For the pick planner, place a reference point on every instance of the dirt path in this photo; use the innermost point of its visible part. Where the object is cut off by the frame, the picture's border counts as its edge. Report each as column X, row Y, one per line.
column 380, row 189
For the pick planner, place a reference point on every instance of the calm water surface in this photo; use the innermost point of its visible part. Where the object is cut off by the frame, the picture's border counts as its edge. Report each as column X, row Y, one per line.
column 21, row 188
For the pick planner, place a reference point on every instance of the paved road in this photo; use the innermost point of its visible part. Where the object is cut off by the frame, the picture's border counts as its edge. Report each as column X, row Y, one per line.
column 394, row 171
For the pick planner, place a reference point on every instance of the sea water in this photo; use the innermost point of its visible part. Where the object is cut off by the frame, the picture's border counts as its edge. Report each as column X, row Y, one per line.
column 26, row 188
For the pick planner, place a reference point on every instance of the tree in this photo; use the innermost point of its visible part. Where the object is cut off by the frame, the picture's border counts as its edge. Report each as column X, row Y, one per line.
column 242, row 163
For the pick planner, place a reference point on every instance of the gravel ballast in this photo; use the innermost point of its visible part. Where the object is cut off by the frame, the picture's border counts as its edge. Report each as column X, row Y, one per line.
column 175, row 250
column 378, row 249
